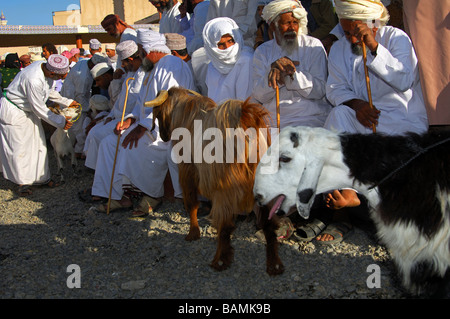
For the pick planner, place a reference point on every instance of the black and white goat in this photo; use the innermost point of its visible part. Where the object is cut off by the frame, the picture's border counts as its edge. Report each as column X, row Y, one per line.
column 406, row 180
column 63, row 141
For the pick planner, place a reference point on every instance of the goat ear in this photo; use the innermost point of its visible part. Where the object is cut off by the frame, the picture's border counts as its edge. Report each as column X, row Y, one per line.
column 160, row 99
column 306, row 188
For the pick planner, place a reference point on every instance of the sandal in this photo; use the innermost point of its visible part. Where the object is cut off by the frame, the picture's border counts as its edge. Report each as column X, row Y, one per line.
column 114, row 205
column 146, row 206
column 51, row 184
column 309, row 231
column 85, row 196
column 24, row 190
column 285, row 229
column 339, row 231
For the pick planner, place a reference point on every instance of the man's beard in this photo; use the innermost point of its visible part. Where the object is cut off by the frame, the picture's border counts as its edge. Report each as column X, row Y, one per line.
column 147, row 65
column 167, row 6
column 288, row 44
column 357, row 49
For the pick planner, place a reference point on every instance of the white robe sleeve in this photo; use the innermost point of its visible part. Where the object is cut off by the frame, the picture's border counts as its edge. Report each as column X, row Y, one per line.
column 309, row 80
column 396, row 66
column 54, row 96
column 36, row 98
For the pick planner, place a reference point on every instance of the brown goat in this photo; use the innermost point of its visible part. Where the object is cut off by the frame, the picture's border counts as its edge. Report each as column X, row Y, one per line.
column 228, row 184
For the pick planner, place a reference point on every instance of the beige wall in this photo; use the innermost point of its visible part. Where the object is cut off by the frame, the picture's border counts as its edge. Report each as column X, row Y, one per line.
column 93, row 12
column 67, row 17
column 136, row 10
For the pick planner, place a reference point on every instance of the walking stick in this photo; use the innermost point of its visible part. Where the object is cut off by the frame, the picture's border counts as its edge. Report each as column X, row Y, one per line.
column 366, row 71
column 277, row 90
column 117, row 146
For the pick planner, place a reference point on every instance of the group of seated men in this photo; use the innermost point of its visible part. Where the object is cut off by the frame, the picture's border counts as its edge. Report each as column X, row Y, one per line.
column 289, row 69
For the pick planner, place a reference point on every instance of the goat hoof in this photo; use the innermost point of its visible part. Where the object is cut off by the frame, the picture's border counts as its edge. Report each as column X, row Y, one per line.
column 220, row 265
column 194, row 234
column 275, row 269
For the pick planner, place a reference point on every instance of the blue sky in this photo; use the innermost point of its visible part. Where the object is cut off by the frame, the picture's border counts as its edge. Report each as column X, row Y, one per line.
column 34, row 12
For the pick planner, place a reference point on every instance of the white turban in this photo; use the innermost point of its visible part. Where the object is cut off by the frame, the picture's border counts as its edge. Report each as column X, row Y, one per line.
column 98, row 58
column 100, row 69
column 363, row 10
column 273, row 9
column 152, row 41
column 126, row 48
column 99, row 102
column 214, row 30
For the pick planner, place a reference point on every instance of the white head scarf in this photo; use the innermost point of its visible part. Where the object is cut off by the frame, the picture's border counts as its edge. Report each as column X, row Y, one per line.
column 214, row 30
column 152, row 41
column 363, row 10
column 273, row 9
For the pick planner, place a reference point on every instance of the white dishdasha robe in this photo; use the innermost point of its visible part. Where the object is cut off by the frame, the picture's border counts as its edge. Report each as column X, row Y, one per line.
column 101, row 130
column 146, row 165
column 394, row 82
column 302, row 98
column 23, row 150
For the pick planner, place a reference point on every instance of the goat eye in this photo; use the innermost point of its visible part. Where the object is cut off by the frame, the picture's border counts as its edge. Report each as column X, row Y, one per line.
column 284, row 159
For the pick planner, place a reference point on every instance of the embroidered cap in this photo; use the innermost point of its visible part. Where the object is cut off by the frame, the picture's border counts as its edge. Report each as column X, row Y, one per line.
column 58, row 64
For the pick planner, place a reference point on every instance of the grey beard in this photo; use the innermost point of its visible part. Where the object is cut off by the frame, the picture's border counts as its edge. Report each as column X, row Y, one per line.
column 147, row 65
column 288, row 45
column 357, row 49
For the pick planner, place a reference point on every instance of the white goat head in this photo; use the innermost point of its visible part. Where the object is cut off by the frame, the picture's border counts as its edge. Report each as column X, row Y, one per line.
column 300, row 163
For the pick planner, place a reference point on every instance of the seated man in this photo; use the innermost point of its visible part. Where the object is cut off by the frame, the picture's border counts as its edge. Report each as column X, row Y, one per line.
column 398, row 105
column 295, row 63
column 143, row 159
column 393, row 73
column 77, row 86
column 229, row 74
column 131, row 62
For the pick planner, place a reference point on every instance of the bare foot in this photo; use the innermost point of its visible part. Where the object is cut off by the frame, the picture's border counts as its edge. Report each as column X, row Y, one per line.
column 340, row 199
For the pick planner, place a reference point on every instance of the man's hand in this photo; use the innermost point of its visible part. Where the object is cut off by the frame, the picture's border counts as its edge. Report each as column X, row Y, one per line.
column 280, row 69
column 126, row 124
column 133, row 137
column 74, row 104
column 68, row 123
column 118, row 74
column 364, row 113
column 365, row 34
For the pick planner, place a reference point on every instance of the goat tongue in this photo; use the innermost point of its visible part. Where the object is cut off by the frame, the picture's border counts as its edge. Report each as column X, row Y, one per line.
column 277, row 205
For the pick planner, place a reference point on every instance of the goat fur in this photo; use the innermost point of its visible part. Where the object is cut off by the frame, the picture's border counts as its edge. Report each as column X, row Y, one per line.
column 406, row 180
column 228, row 185
column 63, row 141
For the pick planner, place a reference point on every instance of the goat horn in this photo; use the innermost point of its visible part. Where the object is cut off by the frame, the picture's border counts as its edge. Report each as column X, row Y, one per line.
column 160, row 99
column 194, row 93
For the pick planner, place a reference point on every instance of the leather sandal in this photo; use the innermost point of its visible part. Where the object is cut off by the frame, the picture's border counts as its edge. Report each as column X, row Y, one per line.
column 309, row 231
column 146, row 205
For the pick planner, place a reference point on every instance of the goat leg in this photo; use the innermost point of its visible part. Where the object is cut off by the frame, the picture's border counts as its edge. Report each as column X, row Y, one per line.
column 225, row 252
column 273, row 262
column 189, row 185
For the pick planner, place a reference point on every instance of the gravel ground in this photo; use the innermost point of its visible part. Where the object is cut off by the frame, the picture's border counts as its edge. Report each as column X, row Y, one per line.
column 123, row 257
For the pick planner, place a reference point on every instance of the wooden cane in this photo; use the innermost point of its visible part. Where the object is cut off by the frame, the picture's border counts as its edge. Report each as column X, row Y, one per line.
column 277, row 90
column 117, row 147
column 366, row 71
